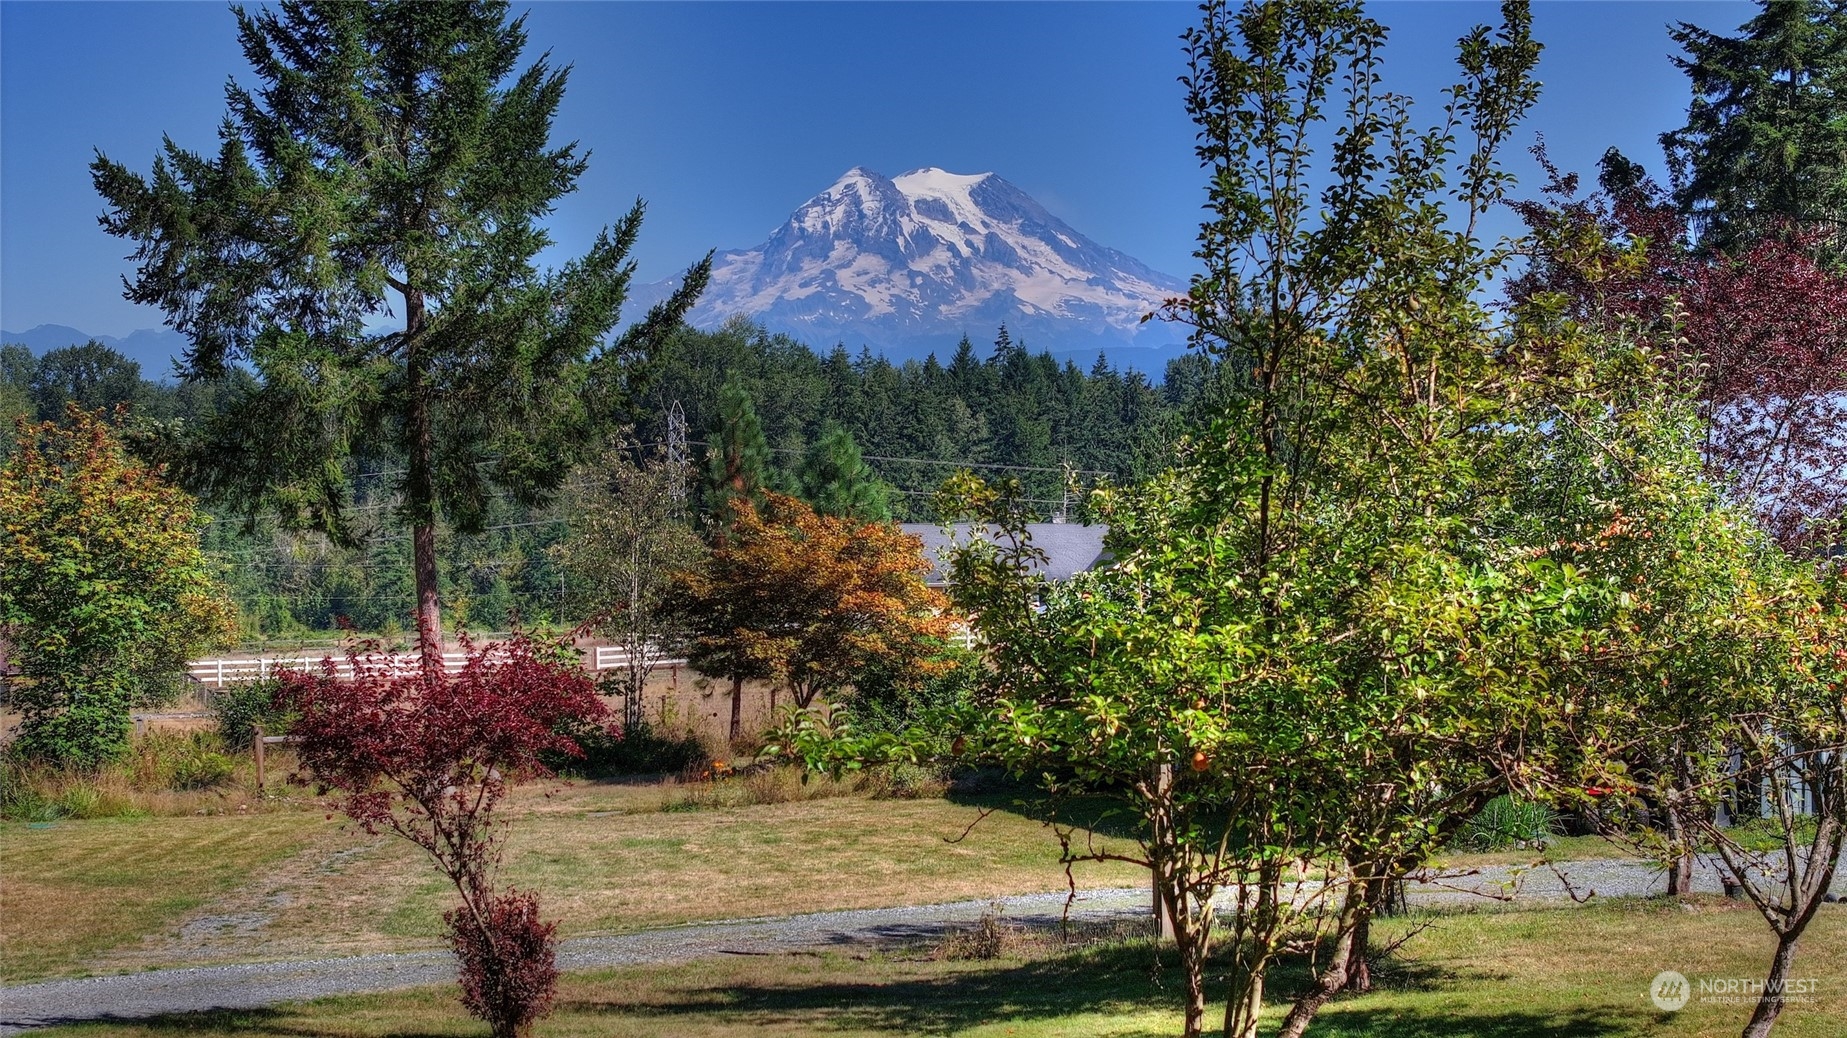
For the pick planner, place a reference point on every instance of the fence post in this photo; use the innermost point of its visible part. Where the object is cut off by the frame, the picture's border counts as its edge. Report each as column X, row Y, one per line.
column 257, row 742
column 1163, row 921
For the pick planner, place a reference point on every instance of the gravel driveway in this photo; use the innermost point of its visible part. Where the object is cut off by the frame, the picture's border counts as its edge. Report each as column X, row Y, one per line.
column 246, row 986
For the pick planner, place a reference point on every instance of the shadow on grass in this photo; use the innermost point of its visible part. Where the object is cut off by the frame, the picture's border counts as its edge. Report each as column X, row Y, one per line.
column 284, row 1023
column 1114, row 979
column 1393, row 1023
column 1118, row 979
column 1105, row 816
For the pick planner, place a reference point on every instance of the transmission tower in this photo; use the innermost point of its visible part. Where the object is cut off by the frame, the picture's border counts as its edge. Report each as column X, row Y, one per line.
column 679, row 459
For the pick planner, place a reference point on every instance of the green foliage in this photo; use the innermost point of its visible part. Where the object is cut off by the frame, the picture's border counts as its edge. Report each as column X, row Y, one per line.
column 92, row 376
column 835, row 480
column 153, row 767
column 631, row 532
column 1305, row 650
column 891, row 700
column 396, row 159
column 633, row 749
column 935, row 414
column 738, row 459
column 202, row 769
column 20, row 798
column 102, row 583
column 1509, row 822
column 1764, row 140
column 239, row 708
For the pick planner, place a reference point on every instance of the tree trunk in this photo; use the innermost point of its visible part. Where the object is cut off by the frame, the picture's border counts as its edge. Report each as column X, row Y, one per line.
column 1680, row 873
column 1251, row 955
column 1245, row 1004
column 429, row 608
column 1359, row 961
column 1192, row 935
column 1162, row 783
column 737, row 708
column 1770, row 1002
column 420, row 489
column 1174, row 916
column 1337, row 975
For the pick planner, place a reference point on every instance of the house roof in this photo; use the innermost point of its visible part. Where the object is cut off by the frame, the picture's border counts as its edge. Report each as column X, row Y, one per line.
column 1070, row 548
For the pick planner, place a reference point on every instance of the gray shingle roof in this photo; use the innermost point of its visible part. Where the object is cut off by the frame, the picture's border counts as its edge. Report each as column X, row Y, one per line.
column 1070, row 548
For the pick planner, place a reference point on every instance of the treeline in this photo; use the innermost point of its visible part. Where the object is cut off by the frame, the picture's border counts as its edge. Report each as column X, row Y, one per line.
column 1000, row 408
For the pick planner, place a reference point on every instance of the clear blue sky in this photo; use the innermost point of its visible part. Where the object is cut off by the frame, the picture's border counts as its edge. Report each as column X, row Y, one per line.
column 727, row 116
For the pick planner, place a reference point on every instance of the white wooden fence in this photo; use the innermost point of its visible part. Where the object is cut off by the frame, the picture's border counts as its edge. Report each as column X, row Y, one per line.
column 221, row 672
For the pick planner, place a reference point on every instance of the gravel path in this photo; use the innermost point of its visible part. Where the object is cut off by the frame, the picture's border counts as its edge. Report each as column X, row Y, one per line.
column 245, row 986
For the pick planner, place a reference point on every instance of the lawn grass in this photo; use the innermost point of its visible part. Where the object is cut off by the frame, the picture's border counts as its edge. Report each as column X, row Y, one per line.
column 73, row 889
column 126, row 894
column 1571, row 971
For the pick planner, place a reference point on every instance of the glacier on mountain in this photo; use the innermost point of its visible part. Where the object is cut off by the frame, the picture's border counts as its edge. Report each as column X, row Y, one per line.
column 909, row 264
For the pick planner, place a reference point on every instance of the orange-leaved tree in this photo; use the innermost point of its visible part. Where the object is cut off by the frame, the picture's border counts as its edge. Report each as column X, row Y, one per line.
column 810, row 601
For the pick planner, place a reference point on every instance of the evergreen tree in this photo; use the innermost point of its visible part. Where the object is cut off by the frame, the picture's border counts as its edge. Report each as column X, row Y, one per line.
column 1766, row 133
column 837, row 481
column 738, row 459
column 968, row 378
column 394, row 160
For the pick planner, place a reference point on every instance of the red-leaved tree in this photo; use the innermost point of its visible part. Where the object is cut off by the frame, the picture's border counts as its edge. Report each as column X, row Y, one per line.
column 410, row 750
column 1761, row 332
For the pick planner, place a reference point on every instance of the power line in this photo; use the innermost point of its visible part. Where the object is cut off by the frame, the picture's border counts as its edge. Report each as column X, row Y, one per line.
column 952, row 463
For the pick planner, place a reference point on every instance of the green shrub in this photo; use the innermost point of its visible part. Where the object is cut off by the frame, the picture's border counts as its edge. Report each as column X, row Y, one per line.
column 638, row 750
column 886, row 700
column 905, row 781
column 21, row 799
column 239, row 708
column 87, row 800
column 33, row 791
column 202, row 769
column 721, row 787
column 1506, row 823
column 179, row 760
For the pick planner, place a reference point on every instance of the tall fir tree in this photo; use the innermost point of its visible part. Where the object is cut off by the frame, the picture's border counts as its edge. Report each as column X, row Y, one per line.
column 737, row 461
column 394, row 161
column 1766, row 135
column 836, row 480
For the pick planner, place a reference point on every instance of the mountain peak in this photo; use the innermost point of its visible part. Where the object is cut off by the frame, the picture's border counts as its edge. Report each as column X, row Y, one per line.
column 931, row 180
column 912, row 263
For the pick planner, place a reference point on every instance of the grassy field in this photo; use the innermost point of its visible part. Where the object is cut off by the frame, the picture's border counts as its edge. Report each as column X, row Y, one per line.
column 112, row 895
column 1563, row 972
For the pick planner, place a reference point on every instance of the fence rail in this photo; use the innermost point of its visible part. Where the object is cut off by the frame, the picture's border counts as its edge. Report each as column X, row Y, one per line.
column 217, row 673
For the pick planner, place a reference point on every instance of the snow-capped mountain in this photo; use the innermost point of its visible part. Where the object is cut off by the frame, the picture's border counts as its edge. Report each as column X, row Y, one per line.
column 911, row 263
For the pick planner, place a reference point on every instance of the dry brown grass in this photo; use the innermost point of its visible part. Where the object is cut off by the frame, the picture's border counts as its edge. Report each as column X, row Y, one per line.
column 74, row 889
column 139, row 786
column 604, row 857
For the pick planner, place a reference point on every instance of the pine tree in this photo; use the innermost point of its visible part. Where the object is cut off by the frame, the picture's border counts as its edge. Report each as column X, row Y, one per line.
column 837, row 481
column 738, row 461
column 1766, row 137
column 395, row 160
